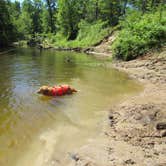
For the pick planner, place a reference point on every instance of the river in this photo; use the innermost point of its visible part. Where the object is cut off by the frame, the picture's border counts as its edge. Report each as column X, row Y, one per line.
column 37, row 130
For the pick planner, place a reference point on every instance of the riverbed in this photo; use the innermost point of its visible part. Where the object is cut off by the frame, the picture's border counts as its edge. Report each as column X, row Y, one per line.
column 39, row 130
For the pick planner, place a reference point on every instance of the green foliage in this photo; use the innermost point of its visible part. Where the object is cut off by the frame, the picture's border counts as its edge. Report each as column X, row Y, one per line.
column 24, row 24
column 139, row 34
column 51, row 8
column 68, row 17
column 29, row 21
column 45, row 21
column 111, row 11
column 7, row 29
column 91, row 33
column 88, row 35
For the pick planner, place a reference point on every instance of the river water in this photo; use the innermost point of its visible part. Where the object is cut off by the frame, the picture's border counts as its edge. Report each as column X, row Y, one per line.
column 37, row 130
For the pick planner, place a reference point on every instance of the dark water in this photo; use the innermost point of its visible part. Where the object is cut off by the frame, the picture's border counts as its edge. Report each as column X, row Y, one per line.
column 34, row 129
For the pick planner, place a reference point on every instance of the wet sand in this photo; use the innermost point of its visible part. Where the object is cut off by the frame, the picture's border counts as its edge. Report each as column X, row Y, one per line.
column 129, row 134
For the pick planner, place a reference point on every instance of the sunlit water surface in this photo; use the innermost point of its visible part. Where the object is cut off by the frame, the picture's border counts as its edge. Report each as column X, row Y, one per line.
column 37, row 130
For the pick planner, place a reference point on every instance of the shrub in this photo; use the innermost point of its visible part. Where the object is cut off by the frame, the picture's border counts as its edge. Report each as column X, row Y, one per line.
column 139, row 34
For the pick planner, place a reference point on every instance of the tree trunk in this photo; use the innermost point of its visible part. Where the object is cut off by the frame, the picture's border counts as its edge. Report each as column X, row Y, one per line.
column 152, row 3
column 96, row 10
column 110, row 14
column 124, row 7
column 144, row 5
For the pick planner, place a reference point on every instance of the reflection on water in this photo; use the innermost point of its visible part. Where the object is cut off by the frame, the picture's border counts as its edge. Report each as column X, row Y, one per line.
column 34, row 129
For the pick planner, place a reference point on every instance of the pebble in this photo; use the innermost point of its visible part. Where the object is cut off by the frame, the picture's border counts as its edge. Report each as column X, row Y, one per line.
column 163, row 134
column 161, row 126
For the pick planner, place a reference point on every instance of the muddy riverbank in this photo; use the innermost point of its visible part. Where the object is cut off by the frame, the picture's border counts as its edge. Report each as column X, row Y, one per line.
column 129, row 133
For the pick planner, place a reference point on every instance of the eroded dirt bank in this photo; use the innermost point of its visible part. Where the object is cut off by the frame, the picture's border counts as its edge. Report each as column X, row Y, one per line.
column 129, row 133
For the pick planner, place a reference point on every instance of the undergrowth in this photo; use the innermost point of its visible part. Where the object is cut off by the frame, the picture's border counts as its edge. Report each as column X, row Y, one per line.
column 139, row 34
column 88, row 35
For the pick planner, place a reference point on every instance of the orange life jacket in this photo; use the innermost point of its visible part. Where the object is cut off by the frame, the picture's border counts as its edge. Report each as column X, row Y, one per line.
column 60, row 90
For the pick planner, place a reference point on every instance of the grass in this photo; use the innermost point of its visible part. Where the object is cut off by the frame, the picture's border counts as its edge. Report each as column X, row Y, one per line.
column 88, row 35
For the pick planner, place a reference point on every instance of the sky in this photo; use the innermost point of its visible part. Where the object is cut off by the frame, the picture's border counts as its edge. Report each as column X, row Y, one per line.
column 17, row 0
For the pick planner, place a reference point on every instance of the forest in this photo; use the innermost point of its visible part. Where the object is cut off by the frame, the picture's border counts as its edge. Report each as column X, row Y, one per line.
column 82, row 23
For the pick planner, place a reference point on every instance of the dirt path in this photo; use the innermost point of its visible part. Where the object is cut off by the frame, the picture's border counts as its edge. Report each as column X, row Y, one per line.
column 129, row 133
column 103, row 48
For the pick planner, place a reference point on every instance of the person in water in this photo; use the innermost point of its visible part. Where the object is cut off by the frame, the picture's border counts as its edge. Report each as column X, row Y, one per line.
column 56, row 90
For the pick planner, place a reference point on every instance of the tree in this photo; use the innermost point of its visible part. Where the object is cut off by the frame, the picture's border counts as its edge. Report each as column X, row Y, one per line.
column 7, row 30
column 111, row 11
column 29, row 21
column 36, row 16
column 51, row 6
column 125, row 2
column 45, row 20
column 24, row 24
column 68, row 17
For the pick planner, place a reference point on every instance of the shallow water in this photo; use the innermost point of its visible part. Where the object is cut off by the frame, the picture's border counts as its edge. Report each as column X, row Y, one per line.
column 37, row 130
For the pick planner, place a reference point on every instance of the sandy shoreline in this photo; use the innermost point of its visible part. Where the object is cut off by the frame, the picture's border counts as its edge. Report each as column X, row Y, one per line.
column 129, row 133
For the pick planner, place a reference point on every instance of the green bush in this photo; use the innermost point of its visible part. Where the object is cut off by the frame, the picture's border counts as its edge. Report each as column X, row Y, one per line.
column 139, row 34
